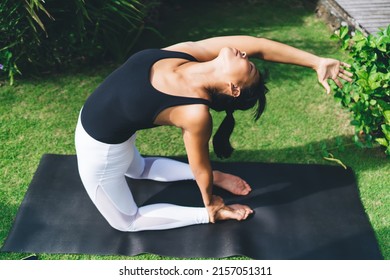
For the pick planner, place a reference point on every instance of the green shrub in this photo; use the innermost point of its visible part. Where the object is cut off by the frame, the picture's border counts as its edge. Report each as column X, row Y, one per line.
column 18, row 34
column 368, row 96
column 39, row 35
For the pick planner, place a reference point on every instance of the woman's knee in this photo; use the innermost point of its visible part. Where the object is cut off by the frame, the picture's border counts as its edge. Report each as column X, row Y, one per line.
column 116, row 217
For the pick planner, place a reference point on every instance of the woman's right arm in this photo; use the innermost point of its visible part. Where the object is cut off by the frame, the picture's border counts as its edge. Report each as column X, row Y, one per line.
column 196, row 124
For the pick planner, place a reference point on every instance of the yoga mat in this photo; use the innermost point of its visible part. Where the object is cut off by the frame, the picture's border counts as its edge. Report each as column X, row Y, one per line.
column 301, row 212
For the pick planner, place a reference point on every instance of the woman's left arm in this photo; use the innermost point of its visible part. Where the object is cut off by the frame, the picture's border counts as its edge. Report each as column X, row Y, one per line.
column 269, row 50
column 326, row 68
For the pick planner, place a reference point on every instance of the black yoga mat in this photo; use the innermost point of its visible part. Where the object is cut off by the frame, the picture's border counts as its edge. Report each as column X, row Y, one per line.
column 301, row 212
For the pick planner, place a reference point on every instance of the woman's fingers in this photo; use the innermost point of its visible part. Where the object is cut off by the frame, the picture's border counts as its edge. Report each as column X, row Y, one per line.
column 344, row 74
column 325, row 84
column 344, row 64
column 337, row 82
column 344, row 77
column 331, row 69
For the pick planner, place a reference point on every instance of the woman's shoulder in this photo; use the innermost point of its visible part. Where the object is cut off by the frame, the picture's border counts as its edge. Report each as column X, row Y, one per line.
column 192, row 117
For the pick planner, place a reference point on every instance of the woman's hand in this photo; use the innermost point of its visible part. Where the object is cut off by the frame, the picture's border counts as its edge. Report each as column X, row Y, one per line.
column 218, row 211
column 215, row 205
column 328, row 68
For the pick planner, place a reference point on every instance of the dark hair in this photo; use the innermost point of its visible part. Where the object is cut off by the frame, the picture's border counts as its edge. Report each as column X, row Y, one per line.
column 247, row 99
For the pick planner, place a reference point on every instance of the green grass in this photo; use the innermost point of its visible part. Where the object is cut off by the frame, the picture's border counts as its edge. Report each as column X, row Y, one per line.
column 39, row 115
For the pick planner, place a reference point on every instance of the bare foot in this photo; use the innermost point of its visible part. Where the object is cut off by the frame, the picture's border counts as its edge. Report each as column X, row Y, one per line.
column 231, row 183
column 233, row 212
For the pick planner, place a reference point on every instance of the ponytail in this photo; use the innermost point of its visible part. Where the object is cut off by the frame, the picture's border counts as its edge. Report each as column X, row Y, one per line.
column 248, row 98
column 221, row 139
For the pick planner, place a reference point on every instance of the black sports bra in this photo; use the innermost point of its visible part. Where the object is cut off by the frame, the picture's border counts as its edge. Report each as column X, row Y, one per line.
column 126, row 101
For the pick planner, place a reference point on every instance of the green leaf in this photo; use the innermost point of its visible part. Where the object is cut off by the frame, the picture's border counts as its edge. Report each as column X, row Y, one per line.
column 357, row 141
column 355, row 96
column 347, row 99
column 387, row 152
column 334, row 37
column 386, row 114
column 386, row 130
column 343, row 32
column 375, row 85
column 382, row 141
column 362, row 73
column 383, row 42
column 355, row 123
column 362, row 83
column 359, row 36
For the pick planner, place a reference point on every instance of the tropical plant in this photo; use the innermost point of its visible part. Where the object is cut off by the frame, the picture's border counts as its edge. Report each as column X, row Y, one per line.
column 39, row 35
column 368, row 96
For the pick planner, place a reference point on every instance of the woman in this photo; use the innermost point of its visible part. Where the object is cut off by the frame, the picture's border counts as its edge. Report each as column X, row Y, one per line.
column 176, row 86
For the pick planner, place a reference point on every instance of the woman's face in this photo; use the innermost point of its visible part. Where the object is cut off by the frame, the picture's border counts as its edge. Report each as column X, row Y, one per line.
column 237, row 68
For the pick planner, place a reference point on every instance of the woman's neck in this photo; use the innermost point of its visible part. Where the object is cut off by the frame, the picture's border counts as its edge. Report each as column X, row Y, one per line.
column 200, row 76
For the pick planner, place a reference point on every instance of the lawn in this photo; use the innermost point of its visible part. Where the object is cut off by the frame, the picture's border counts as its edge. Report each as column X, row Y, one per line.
column 38, row 115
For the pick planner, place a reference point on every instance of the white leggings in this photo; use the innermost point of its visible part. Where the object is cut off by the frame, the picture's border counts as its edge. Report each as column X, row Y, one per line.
column 102, row 169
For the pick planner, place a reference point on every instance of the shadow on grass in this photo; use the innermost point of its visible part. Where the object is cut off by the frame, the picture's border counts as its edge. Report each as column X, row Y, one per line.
column 195, row 20
column 279, row 20
column 341, row 147
column 384, row 233
column 192, row 20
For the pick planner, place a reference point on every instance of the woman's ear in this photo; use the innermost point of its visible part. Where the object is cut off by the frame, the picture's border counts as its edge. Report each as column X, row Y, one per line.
column 234, row 89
